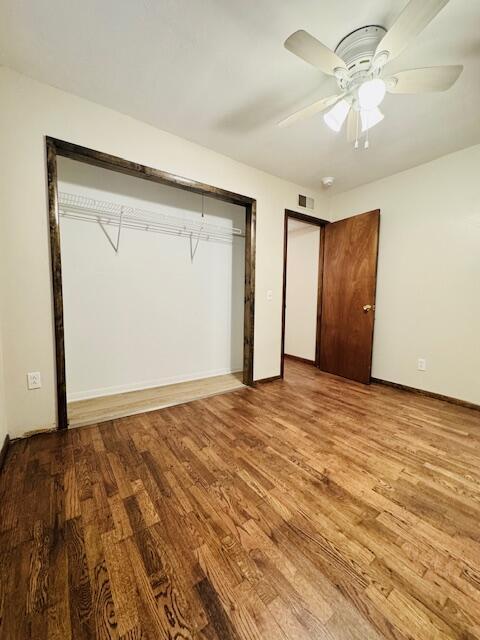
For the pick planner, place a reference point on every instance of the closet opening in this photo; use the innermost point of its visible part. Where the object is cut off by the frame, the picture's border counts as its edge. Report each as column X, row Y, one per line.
column 302, row 288
column 153, row 283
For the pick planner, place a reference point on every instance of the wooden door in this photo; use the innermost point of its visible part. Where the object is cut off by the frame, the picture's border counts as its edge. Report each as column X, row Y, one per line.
column 348, row 305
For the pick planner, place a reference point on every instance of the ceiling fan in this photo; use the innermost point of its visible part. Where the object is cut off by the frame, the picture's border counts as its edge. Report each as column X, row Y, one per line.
column 358, row 64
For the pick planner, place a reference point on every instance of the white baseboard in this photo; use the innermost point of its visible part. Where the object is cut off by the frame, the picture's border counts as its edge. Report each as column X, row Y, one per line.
column 148, row 384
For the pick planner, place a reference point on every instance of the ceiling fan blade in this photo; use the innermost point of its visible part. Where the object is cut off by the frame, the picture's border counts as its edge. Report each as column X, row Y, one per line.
column 316, row 107
column 413, row 19
column 424, row 80
column 305, row 46
column 352, row 125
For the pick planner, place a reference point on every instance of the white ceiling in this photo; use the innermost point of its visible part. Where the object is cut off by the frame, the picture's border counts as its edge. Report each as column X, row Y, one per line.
column 216, row 72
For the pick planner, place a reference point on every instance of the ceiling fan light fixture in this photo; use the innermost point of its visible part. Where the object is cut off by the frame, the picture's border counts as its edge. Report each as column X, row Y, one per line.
column 370, row 118
column 337, row 115
column 357, row 63
column 371, row 94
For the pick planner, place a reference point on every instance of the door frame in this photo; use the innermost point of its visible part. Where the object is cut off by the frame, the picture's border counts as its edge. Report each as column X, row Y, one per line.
column 317, row 222
column 55, row 148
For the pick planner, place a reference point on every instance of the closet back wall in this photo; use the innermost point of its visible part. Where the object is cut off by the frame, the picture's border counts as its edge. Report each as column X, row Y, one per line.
column 150, row 314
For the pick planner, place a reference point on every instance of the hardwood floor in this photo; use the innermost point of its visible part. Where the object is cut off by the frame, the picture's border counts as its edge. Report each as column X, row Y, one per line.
column 86, row 412
column 307, row 508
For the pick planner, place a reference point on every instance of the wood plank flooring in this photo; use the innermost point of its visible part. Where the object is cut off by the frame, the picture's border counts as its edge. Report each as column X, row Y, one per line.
column 307, row 508
column 119, row 405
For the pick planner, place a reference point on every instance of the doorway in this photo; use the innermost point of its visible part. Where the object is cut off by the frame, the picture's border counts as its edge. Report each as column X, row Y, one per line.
column 343, row 257
column 302, row 287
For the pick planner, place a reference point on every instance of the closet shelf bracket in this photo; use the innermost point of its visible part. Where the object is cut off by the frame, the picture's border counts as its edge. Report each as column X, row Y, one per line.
column 115, row 244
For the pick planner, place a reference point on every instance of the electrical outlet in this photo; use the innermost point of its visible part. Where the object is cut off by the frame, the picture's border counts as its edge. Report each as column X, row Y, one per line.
column 34, row 380
column 269, row 295
column 421, row 364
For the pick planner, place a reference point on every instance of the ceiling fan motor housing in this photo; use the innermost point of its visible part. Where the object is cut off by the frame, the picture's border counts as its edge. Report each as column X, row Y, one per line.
column 357, row 50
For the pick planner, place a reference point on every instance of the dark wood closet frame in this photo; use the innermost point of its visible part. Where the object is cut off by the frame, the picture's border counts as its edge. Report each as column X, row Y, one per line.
column 317, row 222
column 55, row 148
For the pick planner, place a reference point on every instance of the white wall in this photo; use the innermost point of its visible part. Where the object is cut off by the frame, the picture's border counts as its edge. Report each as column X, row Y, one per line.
column 428, row 292
column 150, row 314
column 302, row 289
column 30, row 110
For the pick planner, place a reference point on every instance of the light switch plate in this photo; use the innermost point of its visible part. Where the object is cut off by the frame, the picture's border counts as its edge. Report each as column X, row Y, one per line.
column 269, row 294
column 34, row 380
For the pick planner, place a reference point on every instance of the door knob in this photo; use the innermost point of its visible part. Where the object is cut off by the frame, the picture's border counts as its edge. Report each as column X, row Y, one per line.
column 368, row 307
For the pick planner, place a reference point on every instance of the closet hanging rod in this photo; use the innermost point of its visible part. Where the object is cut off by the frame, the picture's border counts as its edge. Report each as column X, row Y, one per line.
column 109, row 213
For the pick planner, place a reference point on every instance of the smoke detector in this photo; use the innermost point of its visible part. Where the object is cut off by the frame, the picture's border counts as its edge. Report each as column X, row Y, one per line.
column 328, row 181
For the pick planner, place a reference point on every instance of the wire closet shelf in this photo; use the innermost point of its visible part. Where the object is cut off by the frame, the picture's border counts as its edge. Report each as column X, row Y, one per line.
column 112, row 214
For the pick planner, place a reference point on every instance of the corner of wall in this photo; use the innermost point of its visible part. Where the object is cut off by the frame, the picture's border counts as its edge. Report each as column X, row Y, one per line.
column 3, row 410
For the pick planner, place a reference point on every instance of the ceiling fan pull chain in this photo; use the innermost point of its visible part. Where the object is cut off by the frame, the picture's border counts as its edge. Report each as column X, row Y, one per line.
column 356, row 131
column 367, row 142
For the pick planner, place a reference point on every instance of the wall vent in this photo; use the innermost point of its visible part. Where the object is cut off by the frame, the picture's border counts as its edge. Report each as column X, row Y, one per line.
column 305, row 201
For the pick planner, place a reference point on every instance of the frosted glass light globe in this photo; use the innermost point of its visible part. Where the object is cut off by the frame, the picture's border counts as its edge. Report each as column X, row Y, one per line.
column 336, row 116
column 370, row 118
column 371, row 93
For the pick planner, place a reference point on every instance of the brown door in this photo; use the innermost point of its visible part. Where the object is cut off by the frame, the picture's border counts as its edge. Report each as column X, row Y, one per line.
column 348, row 306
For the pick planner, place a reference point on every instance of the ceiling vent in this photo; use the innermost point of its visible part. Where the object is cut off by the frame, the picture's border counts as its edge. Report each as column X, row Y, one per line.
column 305, row 201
